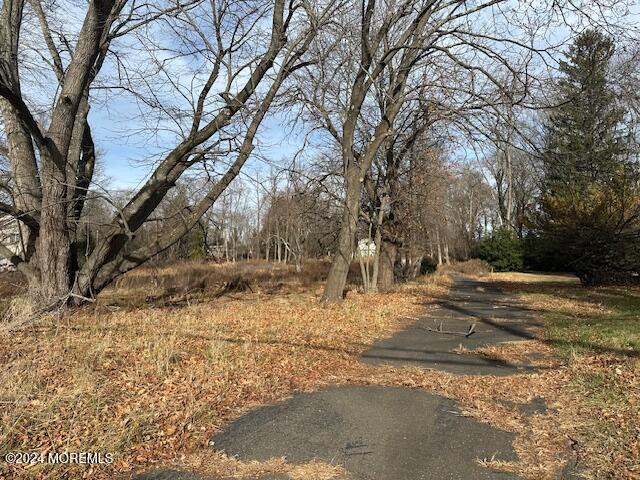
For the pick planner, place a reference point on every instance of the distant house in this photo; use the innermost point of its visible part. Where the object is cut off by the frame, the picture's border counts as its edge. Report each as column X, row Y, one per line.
column 10, row 234
column 366, row 247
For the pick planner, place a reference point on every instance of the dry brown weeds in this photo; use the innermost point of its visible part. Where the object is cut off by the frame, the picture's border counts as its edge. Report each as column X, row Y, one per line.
column 153, row 383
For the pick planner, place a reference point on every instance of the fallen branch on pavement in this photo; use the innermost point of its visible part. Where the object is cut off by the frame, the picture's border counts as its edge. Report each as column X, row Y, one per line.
column 439, row 329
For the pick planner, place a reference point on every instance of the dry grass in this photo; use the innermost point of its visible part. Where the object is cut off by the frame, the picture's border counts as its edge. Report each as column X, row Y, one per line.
column 12, row 285
column 151, row 375
column 473, row 267
column 152, row 384
column 535, row 278
column 597, row 333
column 553, row 293
column 218, row 465
column 191, row 275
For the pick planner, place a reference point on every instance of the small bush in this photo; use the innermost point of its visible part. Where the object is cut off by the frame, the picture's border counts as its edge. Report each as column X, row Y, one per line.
column 428, row 265
column 504, row 251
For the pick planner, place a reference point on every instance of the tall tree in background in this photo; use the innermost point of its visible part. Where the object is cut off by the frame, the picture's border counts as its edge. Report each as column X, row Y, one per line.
column 395, row 49
column 590, row 203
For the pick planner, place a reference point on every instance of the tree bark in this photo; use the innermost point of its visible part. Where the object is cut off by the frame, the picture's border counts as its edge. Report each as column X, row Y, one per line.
column 337, row 279
column 386, row 272
column 356, row 164
column 54, row 244
column 26, row 191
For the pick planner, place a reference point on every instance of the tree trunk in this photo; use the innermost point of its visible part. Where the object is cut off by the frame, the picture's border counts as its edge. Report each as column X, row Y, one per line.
column 364, row 273
column 509, row 186
column 267, row 248
column 446, row 250
column 386, row 276
column 417, row 263
column 279, row 243
column 337, row 279
column 378, row 243
column 54, row 243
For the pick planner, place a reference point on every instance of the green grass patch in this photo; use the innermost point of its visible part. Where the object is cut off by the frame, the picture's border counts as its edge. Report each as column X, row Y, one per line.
column 602, row 388
column 597, row 330
column 615, row 329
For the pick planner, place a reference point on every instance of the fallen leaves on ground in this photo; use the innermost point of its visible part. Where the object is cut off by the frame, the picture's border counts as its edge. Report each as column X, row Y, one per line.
column 152, row 384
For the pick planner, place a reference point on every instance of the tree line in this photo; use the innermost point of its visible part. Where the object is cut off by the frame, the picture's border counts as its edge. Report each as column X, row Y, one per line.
column 395, row 97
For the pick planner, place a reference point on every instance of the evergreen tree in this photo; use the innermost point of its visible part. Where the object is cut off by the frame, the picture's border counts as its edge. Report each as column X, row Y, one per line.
column 503, row 250
column 584, row 139
column 590, row 197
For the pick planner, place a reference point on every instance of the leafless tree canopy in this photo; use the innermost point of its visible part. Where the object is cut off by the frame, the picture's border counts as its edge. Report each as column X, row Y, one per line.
column 207, row 72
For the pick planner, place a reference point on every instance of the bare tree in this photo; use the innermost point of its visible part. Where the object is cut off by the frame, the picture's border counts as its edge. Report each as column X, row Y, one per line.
column 470, row 202
column 400, row 44
column 397, row 159
column 479, row 49
column 248, row 49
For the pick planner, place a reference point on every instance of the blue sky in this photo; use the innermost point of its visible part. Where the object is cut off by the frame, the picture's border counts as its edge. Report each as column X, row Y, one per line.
column 123, row 156
column 126, row 157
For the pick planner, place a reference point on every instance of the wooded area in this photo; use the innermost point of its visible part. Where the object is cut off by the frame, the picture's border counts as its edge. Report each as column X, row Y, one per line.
column 434, row 130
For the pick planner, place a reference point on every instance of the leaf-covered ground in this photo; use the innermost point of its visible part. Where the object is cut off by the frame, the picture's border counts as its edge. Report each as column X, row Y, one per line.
column 152, row 383
column 596, row 334
column 162, row 362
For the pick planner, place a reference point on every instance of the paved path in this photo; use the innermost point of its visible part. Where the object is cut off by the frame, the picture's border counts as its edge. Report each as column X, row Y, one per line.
column 497, row 317
column 375, row 433
column 387, row 433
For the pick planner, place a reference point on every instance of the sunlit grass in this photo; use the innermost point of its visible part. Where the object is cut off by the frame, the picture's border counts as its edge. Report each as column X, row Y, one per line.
column 147, row 380
column 613, row 322
column 597, row 332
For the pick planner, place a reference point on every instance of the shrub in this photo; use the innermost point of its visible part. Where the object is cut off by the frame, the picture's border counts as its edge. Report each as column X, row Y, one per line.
column 504, row 251
column 428, row 265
